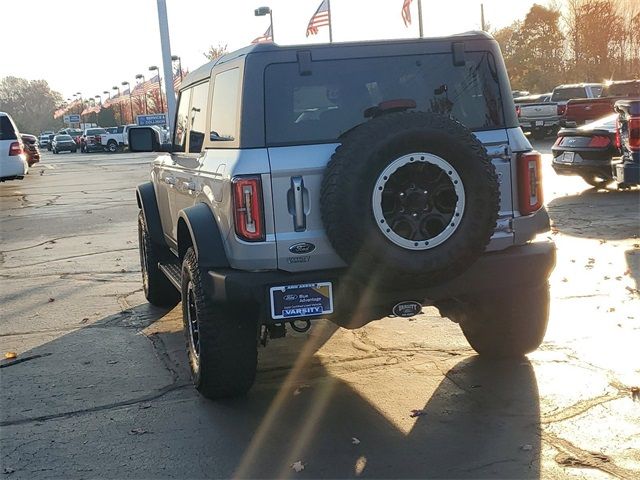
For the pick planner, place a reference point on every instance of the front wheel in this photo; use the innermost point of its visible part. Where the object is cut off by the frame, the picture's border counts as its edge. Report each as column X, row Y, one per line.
column 158, row 290
column 511, row 324
column 112, row 146
column 221, row 342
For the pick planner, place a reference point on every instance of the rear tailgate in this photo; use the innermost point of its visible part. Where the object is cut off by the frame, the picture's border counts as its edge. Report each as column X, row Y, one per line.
column 587, row 110
column 538, row 111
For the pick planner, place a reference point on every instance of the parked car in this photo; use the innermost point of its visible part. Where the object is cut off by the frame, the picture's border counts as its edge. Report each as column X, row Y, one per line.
column 627, row 168
column 114, row 140
column 580, row 111
column 51, row 136
column 43, row 140
column 13, row 159
column 563, row 93
column 520, row 93
column 587, row 151
column 538, row 115
column 63, row 143
column 387, row 200
column 91, row 140
column 31, row 149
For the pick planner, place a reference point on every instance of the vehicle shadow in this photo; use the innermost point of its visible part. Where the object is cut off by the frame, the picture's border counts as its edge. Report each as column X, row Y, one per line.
column 608, row 215
column 126, row 376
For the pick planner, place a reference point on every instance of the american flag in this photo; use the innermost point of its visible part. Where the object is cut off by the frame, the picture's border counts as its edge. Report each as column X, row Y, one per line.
column 319, row 19
column 406, row 12
column 267, row 37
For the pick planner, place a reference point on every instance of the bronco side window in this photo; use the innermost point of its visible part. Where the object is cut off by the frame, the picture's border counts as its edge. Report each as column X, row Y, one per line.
column 198, row 117
column 180, row 134
column 224, row 108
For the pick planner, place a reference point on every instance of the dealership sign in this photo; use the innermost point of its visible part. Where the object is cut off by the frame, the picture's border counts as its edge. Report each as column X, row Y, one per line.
column 74, row 118
column 145, row 120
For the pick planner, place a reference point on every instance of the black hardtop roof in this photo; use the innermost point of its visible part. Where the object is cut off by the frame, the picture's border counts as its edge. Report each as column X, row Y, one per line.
column 204, row 71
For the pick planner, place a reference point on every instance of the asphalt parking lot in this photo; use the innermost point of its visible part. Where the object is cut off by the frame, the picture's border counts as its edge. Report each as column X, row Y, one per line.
column 100, row 386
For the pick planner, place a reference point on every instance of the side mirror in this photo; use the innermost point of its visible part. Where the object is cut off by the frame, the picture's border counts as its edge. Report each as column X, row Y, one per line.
column 146, row 139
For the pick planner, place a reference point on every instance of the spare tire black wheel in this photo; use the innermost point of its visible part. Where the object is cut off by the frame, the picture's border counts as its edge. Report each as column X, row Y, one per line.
column 410, row 195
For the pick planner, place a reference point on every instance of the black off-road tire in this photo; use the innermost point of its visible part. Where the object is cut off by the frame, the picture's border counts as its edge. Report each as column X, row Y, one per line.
column 158, row 290
column 225, row 362
column 508, row 325
column 349, row 181
column 596, row 181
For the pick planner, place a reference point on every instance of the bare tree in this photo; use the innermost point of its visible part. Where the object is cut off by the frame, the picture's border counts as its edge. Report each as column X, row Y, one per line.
column 216, row 52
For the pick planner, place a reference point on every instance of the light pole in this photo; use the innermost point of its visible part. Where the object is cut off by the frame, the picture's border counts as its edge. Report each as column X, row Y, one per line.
column 130, row 102
column 151, row 69
column 99, row 97
column 115, row 87
column 144, row 92
column 176, row 58
column 261, row 12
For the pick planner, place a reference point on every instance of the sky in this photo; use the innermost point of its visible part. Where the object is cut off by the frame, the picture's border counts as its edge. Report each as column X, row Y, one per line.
column 90, row 45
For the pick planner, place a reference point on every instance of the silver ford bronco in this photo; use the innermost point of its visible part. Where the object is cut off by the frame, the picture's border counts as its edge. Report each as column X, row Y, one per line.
column 344, row 181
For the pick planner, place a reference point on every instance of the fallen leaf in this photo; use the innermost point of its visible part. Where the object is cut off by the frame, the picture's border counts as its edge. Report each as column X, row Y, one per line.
column 122, row 270
column 51, row 299
column 84, row 320
column 298, row 466
column 10, row 355
column 298, row 390
column 144, row 406
column 112, row 362
column 417, row 413
column 602, row 241
column 611, row 309
column 7, row 470
column 138, row 431
column 565, row 279
column 526, row 447
column 476, row 386
column 355, row 441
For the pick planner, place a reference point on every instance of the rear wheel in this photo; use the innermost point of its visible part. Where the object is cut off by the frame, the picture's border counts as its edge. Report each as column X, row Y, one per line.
column 221, row 342
column 511, row 324
column 597, row 181
column 158, row 290
column 112, row 146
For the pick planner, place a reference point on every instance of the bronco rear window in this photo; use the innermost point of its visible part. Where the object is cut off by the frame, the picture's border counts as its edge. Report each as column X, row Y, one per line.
column 319, row 107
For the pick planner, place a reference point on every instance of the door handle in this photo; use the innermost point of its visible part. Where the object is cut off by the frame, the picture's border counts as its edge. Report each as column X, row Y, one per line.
column 299, row 218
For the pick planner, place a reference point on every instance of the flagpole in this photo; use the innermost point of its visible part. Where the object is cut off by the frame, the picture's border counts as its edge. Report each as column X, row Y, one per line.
column 330, row 27
column 420, row 17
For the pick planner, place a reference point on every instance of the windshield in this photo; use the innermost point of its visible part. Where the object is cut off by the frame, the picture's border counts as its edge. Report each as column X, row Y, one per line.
column 564, row 94
column 338, row 94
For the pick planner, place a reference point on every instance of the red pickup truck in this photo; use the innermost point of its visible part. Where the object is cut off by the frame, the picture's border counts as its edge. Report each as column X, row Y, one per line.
column 580, row 111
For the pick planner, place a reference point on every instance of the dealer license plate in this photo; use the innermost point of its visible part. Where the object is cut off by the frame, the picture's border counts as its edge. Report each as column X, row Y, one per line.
column 539, row 123
column 306, row 300
column 567, row 157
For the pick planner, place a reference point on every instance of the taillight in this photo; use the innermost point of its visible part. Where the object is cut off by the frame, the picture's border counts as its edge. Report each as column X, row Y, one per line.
column 634, row 133
column 559, row 141
column 248, row 208
column 618, row 140
column 97, row 139
column 562, row 109
column 529, row 182
column 15, row 149
column 518, row 111
column 599, row 141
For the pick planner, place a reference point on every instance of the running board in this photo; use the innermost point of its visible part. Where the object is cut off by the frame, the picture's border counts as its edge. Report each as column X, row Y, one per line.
column 172, row 271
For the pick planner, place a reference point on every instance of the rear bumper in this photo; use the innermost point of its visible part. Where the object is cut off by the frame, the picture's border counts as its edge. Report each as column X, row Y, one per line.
column 516, row 267
column 13, row 167
column 627, row 172
column 583, row 166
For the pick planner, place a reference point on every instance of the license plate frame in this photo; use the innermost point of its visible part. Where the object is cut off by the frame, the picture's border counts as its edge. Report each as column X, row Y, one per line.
column 568, row 157
column 301, row 300
column 539, row 123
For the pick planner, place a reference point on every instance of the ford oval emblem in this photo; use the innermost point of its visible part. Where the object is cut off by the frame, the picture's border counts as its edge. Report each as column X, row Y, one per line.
column 302, row 248
column 407, row 309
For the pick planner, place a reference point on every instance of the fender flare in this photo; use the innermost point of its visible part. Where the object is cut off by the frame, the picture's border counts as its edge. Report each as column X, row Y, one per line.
column 200, row 224
column 146, row 198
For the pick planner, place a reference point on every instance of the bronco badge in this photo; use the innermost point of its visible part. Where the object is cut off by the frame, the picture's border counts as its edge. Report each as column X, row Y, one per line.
column 302, row 248
column 407, row 309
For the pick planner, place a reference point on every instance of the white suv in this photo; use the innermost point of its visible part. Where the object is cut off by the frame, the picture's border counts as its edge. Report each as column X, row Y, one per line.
column 13, row 160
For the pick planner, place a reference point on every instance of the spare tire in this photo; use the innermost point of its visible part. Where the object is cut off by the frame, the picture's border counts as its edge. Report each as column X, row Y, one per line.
column 410, row 194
